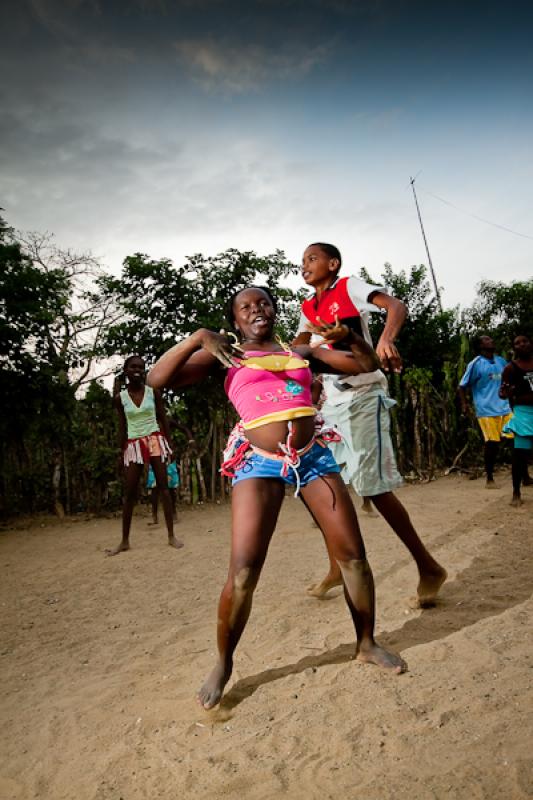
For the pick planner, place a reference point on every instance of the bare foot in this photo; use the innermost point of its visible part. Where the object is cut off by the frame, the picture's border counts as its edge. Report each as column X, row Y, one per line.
column 517, row 501
column 211, row 692
column 490, row 484
column 368, row 508
column 153, row 522
column 375, row 654
column 173, row 542
column 322, row 588
column 122, row 547
column 428, row 587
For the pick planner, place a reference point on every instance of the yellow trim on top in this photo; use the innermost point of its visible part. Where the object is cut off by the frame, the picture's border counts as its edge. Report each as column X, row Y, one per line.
column 280, row 416
column 275, row 362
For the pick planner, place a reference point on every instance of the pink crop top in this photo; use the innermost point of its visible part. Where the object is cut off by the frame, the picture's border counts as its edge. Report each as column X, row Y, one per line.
column 268, row 387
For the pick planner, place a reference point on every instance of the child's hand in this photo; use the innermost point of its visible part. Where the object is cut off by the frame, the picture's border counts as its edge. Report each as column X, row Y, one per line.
column 330, row 333
column 391, row 360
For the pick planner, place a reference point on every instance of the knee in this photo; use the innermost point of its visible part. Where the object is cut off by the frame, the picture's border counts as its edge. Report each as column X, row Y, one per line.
column 244, row 580
column 358, row 568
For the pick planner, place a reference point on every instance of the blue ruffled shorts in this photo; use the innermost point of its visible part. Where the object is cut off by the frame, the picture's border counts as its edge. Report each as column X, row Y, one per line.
column 316, row 463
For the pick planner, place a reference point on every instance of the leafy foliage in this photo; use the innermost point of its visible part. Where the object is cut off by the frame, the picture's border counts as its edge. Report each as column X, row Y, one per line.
column 60, row 313
column 502, row 311
column 162, row 303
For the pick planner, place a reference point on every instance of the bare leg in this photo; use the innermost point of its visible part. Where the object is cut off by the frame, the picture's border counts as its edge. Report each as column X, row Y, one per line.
column 431, row 574
column 160, row 472
column 174, row 500
column 255, row 508
column 333, row 577
column 330, row 504
column 132, row 475
column 518, row 467
column 154, row 501
column 490, row 452
column 367, row 506
column 330, row 580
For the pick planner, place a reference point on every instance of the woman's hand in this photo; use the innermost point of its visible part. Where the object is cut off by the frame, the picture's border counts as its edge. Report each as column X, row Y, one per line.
column 221, row 347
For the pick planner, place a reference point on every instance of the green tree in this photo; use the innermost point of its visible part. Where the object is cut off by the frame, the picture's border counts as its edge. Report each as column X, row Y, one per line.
column 502, row 311
column 162, row 303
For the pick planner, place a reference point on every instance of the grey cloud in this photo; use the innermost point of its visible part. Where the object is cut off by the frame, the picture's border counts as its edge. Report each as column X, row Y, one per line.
column 243, row 67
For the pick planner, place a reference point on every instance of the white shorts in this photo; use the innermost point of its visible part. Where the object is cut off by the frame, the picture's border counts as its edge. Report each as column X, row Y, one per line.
column 365, row 453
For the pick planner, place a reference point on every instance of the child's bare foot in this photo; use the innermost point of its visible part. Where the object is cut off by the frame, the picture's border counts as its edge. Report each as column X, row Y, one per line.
column 428, row 587
column 322, row 588
column 122, row 547
column 173, row 542
column 211, row 692
column 375, row 654
column 517, row 501
column 368, row 508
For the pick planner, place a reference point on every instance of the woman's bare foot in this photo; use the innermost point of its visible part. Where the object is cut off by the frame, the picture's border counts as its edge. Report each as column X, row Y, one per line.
column 322, row 588
column 428, row 587
column 491, row 484
column 516, row 501
column 122, row 547
column 373, row 653
column 173, row 542
column 211, row 692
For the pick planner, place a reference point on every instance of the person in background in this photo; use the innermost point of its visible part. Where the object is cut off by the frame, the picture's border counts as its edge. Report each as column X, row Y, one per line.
column 517, row 387
column 173, row 477
column 173, row 482
column 483, row 377
column 144, row 436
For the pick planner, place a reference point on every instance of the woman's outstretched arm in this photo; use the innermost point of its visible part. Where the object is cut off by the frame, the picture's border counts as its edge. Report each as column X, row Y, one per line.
column 191, row 360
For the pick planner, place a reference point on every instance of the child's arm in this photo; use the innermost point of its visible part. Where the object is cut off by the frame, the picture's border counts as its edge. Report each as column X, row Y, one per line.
column 359, row 359
column 396, row 316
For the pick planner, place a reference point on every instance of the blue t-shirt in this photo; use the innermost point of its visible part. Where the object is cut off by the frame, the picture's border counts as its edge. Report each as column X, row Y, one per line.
column 484, row 377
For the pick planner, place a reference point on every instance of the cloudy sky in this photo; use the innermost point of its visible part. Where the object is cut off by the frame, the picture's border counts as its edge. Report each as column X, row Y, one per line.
column 173, row 128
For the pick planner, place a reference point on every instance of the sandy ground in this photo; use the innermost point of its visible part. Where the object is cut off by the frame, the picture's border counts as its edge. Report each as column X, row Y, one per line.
column 101, row 657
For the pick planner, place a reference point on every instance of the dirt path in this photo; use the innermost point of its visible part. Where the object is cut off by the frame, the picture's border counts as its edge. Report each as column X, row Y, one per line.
column 100, row 659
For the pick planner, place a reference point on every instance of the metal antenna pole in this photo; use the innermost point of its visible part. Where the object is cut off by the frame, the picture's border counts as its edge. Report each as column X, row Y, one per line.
column 437, row 293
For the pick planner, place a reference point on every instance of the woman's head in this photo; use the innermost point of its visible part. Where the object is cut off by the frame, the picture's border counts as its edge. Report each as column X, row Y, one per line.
column 252, row 312
column 134, row 369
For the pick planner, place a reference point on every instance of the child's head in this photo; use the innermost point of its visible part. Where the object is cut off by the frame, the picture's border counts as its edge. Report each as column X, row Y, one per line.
column 321, row 261
column 330, row 250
